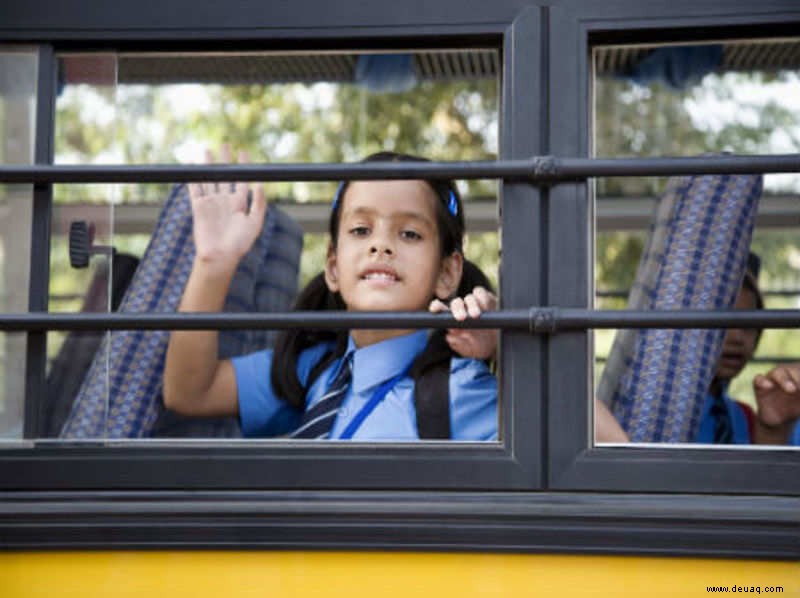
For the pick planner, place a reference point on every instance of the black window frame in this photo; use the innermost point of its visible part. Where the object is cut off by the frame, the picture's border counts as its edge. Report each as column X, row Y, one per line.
column 518, row 495
column 509, row 464
column 573, row 463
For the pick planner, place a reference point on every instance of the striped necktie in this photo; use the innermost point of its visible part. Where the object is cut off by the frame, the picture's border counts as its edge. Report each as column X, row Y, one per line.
column 318, row 421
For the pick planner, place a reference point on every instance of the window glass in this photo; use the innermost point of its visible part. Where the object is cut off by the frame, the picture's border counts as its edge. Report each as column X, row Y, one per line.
column 18, row 76
column 83, row 252
column 143, row 108
column 740, row 97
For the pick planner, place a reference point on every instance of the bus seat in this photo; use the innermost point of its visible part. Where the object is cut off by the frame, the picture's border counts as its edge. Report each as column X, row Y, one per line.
column 655, row 381
column 121, row 394
column 75, row 355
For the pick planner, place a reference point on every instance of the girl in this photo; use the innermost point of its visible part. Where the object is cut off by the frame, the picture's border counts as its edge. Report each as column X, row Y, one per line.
column 396, row 245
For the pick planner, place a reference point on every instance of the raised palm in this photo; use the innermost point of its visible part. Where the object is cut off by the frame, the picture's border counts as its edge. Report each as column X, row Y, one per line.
column 226, row 223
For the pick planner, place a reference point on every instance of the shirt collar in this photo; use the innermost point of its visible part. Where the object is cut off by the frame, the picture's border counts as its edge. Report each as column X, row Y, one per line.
column 382, row 361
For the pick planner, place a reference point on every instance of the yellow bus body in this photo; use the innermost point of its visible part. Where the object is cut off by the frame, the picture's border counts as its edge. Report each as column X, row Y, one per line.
column 231, row 574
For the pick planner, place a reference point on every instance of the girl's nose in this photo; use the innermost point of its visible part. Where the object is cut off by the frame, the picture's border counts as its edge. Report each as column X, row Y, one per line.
column 380, row 248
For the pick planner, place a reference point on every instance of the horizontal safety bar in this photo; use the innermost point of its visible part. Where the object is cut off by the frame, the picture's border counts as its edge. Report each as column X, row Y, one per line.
column 536, row 320
column 767, row 359
column 623, row 294
column 544, row 169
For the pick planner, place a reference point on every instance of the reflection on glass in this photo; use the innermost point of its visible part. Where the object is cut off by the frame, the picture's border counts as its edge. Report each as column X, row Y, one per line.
column 739, row 97
column 322, row 107
column 18, row 75
column 88, row 270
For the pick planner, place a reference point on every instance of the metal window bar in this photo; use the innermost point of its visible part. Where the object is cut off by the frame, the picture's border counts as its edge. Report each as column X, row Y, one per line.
column 536, row 320
column 623, row 293
column 768, row 359
column 536, row 170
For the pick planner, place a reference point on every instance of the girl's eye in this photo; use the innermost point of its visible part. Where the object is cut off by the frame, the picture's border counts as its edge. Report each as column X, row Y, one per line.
column 411, row 235
column 359, row 231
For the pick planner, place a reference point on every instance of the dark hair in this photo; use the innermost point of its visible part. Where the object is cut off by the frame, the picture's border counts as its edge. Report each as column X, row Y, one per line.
column 750, row 282
column 316, row 296
column 450, row 226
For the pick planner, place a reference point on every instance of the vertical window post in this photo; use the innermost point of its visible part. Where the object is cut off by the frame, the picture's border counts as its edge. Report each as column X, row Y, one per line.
column 36, row 362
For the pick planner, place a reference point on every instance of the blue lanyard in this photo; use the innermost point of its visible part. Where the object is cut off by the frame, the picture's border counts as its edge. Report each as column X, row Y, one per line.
column 378, row 396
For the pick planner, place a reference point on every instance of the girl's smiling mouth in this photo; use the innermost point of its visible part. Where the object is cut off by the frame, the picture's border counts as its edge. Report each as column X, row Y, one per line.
column 383, row 274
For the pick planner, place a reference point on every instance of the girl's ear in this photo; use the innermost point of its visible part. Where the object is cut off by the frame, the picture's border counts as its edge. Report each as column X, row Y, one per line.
column 331, row 271
column 449, row 275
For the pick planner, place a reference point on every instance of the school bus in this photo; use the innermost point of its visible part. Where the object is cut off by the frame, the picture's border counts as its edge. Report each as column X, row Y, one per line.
column 543, row 511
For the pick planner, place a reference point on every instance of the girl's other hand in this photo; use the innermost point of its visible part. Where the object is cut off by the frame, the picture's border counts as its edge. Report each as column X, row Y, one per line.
column 474, row 343
column 225, row 226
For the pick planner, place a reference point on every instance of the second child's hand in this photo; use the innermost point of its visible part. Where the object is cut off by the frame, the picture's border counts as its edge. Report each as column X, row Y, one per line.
column 778, row 399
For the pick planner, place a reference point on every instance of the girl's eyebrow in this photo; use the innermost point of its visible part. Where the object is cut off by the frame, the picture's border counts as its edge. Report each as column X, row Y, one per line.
column 408, row 214
column 414, row 216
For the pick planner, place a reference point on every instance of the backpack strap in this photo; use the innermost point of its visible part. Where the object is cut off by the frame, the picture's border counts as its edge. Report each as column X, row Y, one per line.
column 431, row 375
column 432, row 402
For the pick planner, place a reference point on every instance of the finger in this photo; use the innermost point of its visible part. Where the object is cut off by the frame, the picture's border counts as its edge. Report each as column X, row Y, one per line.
column 213, row 186
column 794, row 374
column 486, row 299
column 195, row 191
column 459, row 309
column 481, row 296
column 258, row 209
column 473, row 309
column 782, row 377
column 225, row 157
column 225, row 154
column 437, row 306
column 761, row 382
column 243, row 157
column 212, row 159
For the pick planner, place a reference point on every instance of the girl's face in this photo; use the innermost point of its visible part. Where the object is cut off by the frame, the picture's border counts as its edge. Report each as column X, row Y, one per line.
column 738, row 344
column 388, row 255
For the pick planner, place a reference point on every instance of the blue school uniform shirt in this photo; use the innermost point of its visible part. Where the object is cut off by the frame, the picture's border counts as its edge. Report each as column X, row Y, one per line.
column 473, row 392
column 708, row 422
column 794, row 439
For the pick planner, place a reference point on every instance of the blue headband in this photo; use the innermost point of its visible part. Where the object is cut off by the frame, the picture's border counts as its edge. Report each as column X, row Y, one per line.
column 452, row 202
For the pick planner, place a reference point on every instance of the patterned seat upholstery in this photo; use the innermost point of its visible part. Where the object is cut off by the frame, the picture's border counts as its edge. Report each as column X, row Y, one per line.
column 77, row 352
column 121, row 394
column 655, row 381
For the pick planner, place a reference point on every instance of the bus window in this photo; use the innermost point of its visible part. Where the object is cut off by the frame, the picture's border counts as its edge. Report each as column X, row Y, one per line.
column 18, row 76
column 168, row 108
column 738, row 97
column 83, row 254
